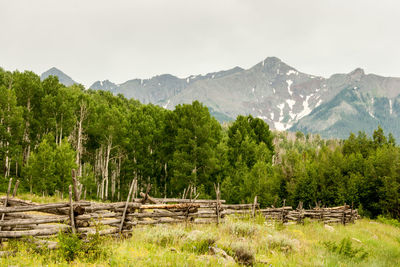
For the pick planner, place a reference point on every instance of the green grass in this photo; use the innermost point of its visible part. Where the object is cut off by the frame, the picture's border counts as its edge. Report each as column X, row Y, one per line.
column 365, row 243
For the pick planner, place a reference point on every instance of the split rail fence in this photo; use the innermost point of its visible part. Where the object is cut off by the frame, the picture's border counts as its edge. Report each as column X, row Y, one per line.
column 21, row 218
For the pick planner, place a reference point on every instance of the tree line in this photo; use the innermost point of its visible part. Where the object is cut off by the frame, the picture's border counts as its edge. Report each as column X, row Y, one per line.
column 48, row 129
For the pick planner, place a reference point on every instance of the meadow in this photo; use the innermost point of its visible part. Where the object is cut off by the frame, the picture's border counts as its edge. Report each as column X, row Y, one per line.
column 235, row 242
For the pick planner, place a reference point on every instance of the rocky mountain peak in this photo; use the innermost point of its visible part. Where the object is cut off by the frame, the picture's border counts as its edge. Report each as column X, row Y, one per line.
column 357, row 74
column 62, row 77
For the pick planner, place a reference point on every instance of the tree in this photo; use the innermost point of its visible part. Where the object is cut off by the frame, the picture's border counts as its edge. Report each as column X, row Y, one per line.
column 194, row 158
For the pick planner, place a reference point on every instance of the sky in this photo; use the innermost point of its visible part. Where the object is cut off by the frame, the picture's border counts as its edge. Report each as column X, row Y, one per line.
column 120, row 40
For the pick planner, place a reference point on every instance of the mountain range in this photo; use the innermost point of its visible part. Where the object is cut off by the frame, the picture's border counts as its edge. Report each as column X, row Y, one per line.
column 281, row 95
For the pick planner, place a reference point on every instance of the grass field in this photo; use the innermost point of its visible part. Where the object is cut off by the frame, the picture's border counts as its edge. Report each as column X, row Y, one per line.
column 245, row 241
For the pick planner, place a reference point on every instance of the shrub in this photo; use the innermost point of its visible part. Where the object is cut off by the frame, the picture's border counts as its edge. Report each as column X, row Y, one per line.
column 388, row 221
column 241, row 228
column 198, row 242
column 243, row 253
column 282, row 243
column 164, row 236
column 345, row 248
column 70, row 246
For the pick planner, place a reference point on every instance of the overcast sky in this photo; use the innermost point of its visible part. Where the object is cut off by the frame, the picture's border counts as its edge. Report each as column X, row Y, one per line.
column 120, row 40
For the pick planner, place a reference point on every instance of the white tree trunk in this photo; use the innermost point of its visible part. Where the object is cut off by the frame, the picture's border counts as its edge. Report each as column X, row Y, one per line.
column 79, row 146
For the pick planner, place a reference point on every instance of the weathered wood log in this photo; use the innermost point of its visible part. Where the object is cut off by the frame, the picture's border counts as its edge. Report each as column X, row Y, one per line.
column 76, row 185
column 159, row 221
column 33, row 226
column 134, row 184
column 155, row 214
column 150, row 199
column 6, row 200
column 71, row 212
column 146, row 195
column 88, row 231
column 89, row 216
column 43, row 207
column 170, row 206
column 39, row 232
column 110, row 206
column 276, row 209
column 17, row 202
column 45, row 219
column 255, row 204
column 178, row 200
column 15, row 189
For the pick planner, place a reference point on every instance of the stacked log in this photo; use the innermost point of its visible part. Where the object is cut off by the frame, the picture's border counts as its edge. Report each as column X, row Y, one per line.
column 23, row 218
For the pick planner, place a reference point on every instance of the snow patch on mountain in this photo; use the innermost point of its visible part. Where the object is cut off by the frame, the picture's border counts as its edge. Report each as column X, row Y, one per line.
column 306, row 109
column 289, row 83
column 292, row 72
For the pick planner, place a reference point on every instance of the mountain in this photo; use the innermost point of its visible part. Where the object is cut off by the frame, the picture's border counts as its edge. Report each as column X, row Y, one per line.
column 363, row 103
column 62, row 77
column 271, row 90
column 284, row 97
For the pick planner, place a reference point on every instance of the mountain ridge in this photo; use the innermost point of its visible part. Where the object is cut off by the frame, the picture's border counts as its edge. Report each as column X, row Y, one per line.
column 274, row 91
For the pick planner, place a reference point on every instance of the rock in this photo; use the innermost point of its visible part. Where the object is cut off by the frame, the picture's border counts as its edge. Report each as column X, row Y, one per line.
column 329, row 228
column 221, row 253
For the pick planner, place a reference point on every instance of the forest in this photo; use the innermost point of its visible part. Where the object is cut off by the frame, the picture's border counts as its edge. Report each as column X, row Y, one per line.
column 48, row 129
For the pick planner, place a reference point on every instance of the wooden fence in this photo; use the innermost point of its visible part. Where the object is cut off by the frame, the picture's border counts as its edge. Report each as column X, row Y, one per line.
column 21, row 218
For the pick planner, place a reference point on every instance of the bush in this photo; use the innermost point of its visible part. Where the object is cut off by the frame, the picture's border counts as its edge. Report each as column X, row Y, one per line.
column 388, row 221
column 71, row 246
column 241, row 228
column 198, row 242
column 164, row 236
column 346, row 249
column 243, row 253
column 282, row 243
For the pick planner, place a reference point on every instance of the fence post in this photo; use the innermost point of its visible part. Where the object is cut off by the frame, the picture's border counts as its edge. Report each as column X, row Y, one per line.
column 344, row 214
column 71, row 211
column 134, row 184
column 217, row 192
column 15, row 189
column 253, row 211
column 75, row 183
column 6, row 199
column 283, row 215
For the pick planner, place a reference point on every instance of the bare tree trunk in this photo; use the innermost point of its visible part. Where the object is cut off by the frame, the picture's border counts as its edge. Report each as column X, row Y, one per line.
column 26, row 139
column 165, row 180
column 79, row 146
column 107, row 164
column 7, row 161
column 61, row 130
column 113, row 179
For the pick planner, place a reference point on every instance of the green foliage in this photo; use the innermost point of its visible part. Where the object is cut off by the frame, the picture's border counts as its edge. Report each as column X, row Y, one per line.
column 243, row 253
column 241, row 228
column 49, row 168
column 198, row 242
column 393, row 222
column 47, row 129
column 163, row 236
column 72, row 247
column 345, row 248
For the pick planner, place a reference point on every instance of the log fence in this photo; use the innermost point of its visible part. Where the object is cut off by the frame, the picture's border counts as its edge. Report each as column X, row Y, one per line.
column 21, row 218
